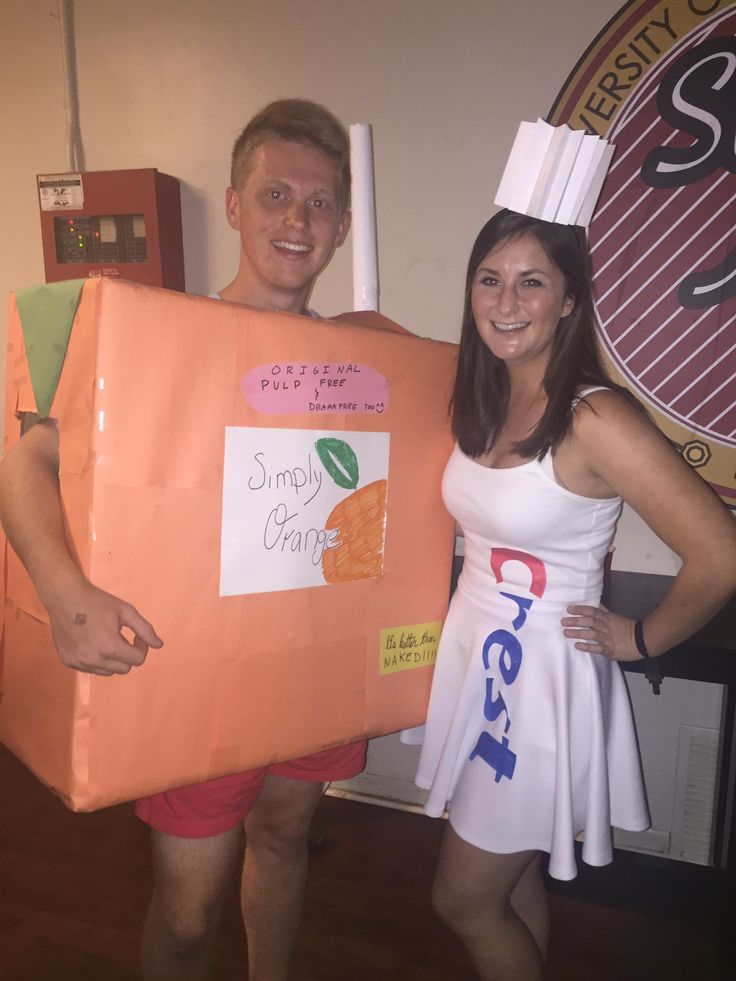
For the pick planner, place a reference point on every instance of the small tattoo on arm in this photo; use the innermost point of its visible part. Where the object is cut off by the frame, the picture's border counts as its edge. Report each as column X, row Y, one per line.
column 80, row 619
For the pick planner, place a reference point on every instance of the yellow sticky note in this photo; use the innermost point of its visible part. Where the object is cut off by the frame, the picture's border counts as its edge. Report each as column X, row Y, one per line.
column 414, row 646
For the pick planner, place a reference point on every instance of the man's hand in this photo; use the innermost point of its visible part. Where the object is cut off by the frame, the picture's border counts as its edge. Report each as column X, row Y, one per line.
column 87, row 627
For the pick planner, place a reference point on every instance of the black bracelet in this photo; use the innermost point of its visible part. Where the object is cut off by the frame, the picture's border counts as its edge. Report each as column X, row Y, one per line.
column 639, row 639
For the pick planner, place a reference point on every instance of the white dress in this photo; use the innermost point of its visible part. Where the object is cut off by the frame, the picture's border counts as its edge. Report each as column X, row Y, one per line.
column 529, row 740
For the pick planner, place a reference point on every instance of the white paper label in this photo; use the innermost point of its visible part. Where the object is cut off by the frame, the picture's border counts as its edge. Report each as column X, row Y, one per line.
column 301, row 507
column 61, row 192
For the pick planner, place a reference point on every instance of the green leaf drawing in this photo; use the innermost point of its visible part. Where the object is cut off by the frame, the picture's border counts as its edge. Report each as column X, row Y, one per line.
column 339, row 461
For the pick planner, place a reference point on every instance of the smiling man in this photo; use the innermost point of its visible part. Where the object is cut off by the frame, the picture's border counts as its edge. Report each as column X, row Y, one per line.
column 289, row 200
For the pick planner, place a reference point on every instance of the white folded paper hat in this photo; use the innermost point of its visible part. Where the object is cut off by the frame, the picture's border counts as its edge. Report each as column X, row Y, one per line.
column 554, row 173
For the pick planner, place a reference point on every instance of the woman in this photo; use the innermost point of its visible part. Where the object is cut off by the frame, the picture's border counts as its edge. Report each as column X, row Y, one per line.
column 529, row 735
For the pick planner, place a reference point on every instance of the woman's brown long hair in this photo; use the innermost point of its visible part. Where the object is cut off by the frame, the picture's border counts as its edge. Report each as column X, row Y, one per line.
column 479, row 404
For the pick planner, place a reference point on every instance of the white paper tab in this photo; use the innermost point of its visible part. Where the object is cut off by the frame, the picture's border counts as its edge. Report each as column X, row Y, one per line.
column 554, row 173
column 365, row 250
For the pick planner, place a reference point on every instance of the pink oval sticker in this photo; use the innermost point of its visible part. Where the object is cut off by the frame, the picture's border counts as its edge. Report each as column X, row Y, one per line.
column 287, row 387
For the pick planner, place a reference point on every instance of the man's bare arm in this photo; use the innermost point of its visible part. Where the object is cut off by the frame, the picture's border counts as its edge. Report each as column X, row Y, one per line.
column 86, row 622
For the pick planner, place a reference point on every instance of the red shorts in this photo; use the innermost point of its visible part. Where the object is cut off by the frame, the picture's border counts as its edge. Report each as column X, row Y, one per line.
column 209, row 808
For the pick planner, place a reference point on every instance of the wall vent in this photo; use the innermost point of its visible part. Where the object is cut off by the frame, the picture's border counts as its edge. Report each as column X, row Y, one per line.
column 695, row 795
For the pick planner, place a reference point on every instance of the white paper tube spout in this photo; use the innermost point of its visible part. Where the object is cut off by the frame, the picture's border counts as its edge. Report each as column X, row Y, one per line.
column 365, row 252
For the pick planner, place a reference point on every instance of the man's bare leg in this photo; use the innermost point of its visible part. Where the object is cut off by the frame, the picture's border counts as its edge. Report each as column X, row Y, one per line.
column 191, row 881
column 275, row 873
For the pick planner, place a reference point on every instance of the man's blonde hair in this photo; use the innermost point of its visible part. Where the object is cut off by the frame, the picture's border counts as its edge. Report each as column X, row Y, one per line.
column 295, row 121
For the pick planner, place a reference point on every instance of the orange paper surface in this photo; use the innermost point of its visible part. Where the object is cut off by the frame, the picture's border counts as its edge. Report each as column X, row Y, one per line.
column 152, row 400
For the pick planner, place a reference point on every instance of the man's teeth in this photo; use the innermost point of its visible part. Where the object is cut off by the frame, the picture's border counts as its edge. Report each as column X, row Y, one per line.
column 292, row 246
column 507, row 328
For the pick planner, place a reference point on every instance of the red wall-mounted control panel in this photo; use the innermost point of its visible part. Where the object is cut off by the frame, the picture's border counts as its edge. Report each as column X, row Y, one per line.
column 124, row 223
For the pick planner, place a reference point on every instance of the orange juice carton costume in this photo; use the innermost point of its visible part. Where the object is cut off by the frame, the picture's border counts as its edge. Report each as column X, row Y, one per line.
column 266, row 491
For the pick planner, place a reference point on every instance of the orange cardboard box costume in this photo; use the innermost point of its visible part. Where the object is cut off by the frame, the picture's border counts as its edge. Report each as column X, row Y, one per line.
column 266, row 491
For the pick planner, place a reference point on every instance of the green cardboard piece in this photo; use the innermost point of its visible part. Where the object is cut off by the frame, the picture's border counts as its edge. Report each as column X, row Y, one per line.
column 46, row 316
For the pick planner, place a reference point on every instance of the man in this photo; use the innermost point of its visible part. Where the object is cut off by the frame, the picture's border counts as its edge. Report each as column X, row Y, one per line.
column 289, row 200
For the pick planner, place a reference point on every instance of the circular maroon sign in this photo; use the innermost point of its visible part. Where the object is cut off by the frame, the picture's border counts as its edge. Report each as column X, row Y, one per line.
column 663, row 237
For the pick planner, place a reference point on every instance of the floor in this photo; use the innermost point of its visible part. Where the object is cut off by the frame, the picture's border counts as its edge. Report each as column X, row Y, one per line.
column 74, row 887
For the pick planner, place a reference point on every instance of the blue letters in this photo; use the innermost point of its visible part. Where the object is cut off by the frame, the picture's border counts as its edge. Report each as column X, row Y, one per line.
column 524, row 606
column 493, row 707
column 497, row 755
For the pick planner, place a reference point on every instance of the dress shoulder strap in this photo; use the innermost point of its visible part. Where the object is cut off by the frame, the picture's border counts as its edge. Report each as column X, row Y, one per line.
column 547, row 465
column 547, row 462
column 590, row 390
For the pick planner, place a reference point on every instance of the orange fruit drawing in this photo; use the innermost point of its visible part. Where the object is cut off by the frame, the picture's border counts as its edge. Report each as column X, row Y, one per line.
column 361, row 521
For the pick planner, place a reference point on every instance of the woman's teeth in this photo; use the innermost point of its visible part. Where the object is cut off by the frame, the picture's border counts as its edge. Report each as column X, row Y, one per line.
column 508, row 328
